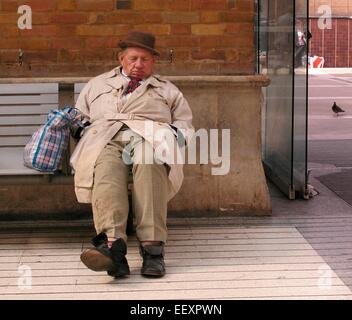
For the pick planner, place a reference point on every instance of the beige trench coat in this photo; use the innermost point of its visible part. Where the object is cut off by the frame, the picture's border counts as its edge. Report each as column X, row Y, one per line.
column 157, row 101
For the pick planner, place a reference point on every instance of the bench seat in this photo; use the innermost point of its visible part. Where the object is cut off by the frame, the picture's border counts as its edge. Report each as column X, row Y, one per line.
column 11, row 163
column 23, row 108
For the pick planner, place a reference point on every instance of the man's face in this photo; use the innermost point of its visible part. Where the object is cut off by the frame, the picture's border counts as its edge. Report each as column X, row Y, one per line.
column 137, row 62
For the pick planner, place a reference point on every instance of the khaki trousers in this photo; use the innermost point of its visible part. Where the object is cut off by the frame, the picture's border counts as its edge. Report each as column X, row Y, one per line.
column 110, row 190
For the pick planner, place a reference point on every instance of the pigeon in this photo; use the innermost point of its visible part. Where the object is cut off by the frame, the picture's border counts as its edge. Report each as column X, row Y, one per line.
column 336, row 109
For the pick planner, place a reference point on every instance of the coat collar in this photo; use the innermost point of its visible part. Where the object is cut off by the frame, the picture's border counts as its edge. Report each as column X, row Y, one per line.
column 115, row 79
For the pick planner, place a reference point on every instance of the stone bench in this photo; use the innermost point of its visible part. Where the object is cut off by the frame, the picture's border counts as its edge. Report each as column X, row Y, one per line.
column 217, row 102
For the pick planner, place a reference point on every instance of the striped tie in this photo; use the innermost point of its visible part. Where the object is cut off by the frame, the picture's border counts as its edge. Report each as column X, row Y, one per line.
column 132, row 85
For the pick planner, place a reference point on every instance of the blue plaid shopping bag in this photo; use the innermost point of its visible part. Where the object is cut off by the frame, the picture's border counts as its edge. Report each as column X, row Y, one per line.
column 47, row 145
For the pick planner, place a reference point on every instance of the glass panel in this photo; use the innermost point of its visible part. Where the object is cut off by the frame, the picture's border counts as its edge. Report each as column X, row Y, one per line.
column 300, row 98
column 277, row 141
column 282, row 55
column 262, row 34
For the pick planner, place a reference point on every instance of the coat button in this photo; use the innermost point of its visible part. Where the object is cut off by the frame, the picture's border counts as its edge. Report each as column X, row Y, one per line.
column 115, row 93
column 94, row 131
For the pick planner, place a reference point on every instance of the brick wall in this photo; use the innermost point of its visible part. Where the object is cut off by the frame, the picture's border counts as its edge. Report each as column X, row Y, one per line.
column 338, row 7
column 79, row 37
column 333, row 44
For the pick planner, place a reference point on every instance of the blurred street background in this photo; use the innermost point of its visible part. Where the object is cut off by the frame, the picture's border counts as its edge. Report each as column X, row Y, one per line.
column 329, row 135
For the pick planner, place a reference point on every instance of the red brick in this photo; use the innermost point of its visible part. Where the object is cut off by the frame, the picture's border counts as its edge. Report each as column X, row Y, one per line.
column 30, row 43
column 123, row 4
column 40, row 18
column 10, row 44
column 209, row 16
column 40, row 31
column 121, row 29
column 181, row 55
column 323, row 43
column 246, row 55
column 73, row 56
column 128, row 17
column 247, row 42
column 210, row 41
column 9, row 55
column 177, row 5
column 204, row 54
column 40, row 5
column 69, row 55
column 9, row 31
column 151, row 17
column 232, row 55
column 67, row 43
column 180, row 28
column 93, row 5
column 208, row 29
column 94, row 42
column 95, row 30
column 157, row 29
column 9, row 5
column 182, row 41
column 69, row 18
column 242, row 29
column 245, row 5
column 66, row 31
column 180, row 17
column 163, row 55
column 104, row 54
column 228, row 41
column 161, row 41
column 232, row 4
column 66, row 5
column 149, row 5
column 235, row 16
column 9, row 18
column 40, row 56
column 81, row 36
column 209, row 4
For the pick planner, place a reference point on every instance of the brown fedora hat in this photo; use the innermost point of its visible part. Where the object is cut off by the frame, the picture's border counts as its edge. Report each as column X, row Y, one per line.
column 141, row 40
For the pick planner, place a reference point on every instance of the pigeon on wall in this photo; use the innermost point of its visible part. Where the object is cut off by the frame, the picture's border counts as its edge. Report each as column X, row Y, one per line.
column 336, row 109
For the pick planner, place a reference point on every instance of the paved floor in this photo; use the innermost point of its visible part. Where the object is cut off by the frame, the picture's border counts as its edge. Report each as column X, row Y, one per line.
column 331, row 161
column 302, row 251
column 258, row 262
column 324, row 89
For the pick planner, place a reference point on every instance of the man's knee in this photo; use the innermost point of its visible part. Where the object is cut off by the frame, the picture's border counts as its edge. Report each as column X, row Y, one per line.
column 158, row 170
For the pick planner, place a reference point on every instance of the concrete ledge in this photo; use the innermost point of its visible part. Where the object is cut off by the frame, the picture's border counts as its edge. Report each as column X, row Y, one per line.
column 248, row 81
column 222, row 102
column 217, row 102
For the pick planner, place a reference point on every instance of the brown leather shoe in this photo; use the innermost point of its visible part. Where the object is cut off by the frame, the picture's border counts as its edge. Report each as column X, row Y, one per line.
column 103, row 258
column 153, row 260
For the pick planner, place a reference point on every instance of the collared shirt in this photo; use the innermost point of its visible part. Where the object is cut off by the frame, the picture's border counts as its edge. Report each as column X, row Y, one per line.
column 125, row 97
